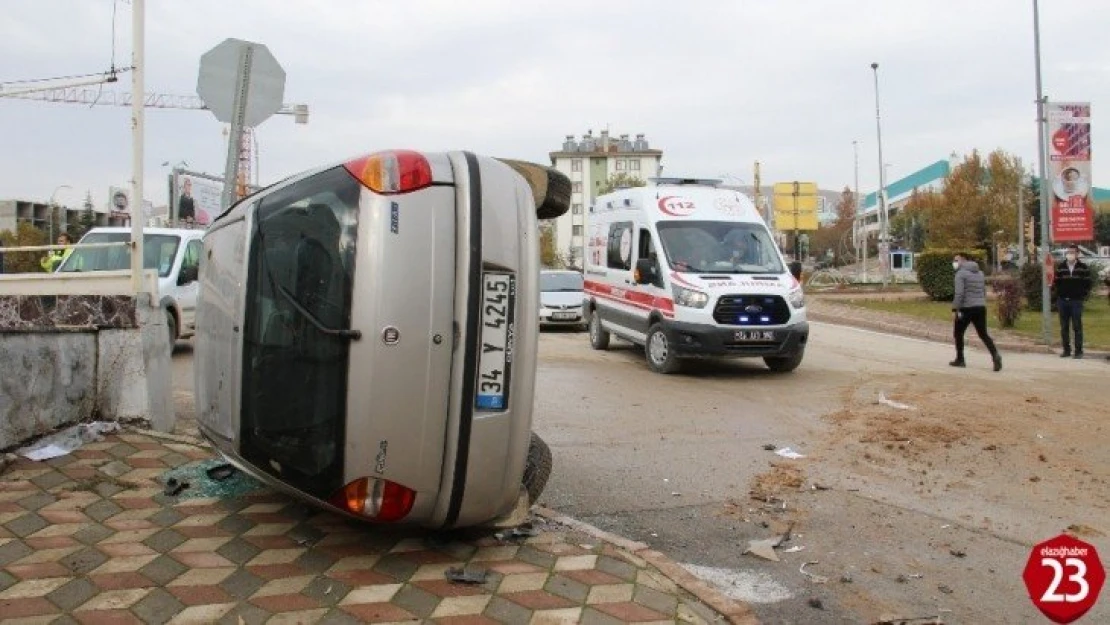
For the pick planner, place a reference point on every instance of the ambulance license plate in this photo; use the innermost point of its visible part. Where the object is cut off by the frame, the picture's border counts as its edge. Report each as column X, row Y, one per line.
column 496, row 358
column 754, row 335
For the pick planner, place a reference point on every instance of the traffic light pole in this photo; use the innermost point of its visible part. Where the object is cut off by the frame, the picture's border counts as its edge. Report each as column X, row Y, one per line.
column 1046, row 305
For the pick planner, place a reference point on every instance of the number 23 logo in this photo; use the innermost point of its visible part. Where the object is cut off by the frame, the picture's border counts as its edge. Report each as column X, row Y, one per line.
column 1051, row 594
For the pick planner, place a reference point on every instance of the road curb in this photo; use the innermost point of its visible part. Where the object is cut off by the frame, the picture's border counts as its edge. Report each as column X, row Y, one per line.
column 935, row 336
column 736, row 612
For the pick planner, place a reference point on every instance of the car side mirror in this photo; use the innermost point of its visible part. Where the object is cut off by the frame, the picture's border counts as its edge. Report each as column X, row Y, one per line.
column 646, row 271
column 187, row 275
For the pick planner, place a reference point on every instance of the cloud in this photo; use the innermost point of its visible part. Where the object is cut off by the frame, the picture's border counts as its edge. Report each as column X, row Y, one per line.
column 715, row 85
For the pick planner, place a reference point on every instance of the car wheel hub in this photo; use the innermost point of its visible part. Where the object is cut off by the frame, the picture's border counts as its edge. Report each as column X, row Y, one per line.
column 658, row 348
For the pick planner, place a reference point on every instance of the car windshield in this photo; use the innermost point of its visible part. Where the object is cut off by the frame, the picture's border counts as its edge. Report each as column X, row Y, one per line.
column 550, row 282
column 719, row 247
column 159, row 251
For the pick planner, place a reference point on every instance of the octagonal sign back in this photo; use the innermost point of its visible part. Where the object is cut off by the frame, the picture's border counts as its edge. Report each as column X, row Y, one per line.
column 218, row 80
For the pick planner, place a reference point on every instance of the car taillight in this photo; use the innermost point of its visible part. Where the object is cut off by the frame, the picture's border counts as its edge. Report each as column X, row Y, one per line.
column 393, row 171
column 378, row 500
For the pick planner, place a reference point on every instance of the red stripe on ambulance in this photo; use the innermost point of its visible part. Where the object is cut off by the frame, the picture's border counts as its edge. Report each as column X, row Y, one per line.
column 644, row 301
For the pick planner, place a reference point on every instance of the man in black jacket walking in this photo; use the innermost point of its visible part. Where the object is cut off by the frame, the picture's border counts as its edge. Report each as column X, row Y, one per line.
column 1073, row 284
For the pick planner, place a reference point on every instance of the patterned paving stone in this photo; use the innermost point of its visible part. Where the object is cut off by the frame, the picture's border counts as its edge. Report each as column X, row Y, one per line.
column 163, row 569
column 238, row 551
column 114, row 550
column 26, row 525
column 158, row 607
column 416, row 601
column 84, row 560
column 92, row 533
column 504, row 611
column 102, row 510
column 569, row 588
column 242, row 584
column 12, row 551
column 166, row 517
column 72, row 594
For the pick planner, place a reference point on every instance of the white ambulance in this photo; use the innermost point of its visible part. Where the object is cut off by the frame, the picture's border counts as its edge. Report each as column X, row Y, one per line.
column 685, row 269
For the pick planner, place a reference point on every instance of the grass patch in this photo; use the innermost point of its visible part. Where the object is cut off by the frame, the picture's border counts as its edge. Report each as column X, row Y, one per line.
column 1096, row 318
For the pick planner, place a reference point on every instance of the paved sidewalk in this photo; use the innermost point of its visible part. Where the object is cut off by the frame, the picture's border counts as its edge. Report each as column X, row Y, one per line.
column 91, row 538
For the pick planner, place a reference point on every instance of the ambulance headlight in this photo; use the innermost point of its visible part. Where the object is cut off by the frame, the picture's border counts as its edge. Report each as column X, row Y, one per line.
column 689, row 298
column 797, row 298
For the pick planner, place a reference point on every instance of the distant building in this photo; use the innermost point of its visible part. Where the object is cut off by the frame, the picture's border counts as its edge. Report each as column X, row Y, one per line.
column 928, row 178
column 589, row 163
column 15, row 211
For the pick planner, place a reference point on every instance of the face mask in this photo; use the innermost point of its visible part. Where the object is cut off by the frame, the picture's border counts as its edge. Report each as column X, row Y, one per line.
column 955, row 264
column 1071, row 258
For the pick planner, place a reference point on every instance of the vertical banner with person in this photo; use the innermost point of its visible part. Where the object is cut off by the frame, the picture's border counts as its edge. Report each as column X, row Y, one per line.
column 196, row 199
column 1069, row 147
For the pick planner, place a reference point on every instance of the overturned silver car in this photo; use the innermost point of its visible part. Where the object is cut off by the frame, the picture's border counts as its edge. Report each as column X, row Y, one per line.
column 367, row 333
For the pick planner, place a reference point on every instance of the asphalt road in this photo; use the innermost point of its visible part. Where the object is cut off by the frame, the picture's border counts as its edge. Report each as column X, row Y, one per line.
column 917, row 520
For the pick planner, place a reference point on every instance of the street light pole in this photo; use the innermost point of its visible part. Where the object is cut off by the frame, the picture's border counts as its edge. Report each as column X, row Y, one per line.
column 1046, row 307
column 53, row 210
column 138, row 17
column 861, row 240
column 884, row 263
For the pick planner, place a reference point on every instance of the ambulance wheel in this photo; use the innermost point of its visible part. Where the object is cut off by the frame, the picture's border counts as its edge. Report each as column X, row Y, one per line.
column 537, row 468
column 599, row 336
column 784, row 364
column 660, row 353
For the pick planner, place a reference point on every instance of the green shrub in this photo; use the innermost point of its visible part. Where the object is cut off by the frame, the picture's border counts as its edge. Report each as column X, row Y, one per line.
column 1031, row 285
column 1008, row 289
column 935, row 273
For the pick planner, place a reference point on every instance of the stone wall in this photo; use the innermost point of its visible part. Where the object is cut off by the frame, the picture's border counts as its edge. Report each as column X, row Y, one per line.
column 66, row 358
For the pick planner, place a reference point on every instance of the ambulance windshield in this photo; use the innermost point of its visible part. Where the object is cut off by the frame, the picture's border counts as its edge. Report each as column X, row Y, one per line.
column 719, row 247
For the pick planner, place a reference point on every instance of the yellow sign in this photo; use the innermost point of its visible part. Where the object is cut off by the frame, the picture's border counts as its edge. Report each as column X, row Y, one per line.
column 795, row 202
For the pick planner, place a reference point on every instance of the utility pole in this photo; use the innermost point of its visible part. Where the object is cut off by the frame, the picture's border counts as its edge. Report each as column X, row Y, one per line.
column 884, row 252
column 138, row 16
column 797, row 248
column 1021, row 217
column 766, row 213
column 1046, row 306
column 862, row 240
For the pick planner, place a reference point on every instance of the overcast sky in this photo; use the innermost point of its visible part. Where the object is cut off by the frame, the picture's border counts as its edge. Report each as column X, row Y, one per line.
column 716, row 85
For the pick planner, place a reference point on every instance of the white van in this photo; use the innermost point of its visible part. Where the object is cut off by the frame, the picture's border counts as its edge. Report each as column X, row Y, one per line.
column 173, row 252
column 687, row 269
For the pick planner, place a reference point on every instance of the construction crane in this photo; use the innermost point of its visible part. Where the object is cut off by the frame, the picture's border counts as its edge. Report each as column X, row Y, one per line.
column 80, row 92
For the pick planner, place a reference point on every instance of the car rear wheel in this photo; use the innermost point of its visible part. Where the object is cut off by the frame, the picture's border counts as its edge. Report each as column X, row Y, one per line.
column 660, row 354
column 599, row 337
column 784, row 364
column 537, row 469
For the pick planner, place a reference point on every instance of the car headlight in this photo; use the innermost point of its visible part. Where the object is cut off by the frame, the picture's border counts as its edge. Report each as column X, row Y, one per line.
column 689, row 298
column 797, row 298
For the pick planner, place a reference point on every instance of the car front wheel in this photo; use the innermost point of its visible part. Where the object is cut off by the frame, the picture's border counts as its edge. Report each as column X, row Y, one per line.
column 660, row 353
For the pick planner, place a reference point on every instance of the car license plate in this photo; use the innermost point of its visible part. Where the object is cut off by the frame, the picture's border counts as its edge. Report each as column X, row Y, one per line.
column 496, row 359
column 564, row 315
column 754, row 335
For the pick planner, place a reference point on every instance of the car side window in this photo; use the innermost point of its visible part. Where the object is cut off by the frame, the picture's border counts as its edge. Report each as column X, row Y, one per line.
column 619, row 254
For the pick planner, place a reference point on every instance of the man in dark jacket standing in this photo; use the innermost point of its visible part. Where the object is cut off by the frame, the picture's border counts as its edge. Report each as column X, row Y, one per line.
column 1073, row 284
column 969, row 307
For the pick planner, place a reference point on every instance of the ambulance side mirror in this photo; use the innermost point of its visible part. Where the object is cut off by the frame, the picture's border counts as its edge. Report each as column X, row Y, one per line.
column 550, row 187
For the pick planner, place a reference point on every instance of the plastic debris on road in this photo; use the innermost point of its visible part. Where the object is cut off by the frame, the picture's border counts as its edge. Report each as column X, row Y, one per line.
column 463, row 576
column 65, row 441
column 893, row 404
column 787, row 452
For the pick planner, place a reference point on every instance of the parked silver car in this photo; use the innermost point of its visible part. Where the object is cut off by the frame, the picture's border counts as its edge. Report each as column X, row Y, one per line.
column 561, row 297
column 367, row 334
